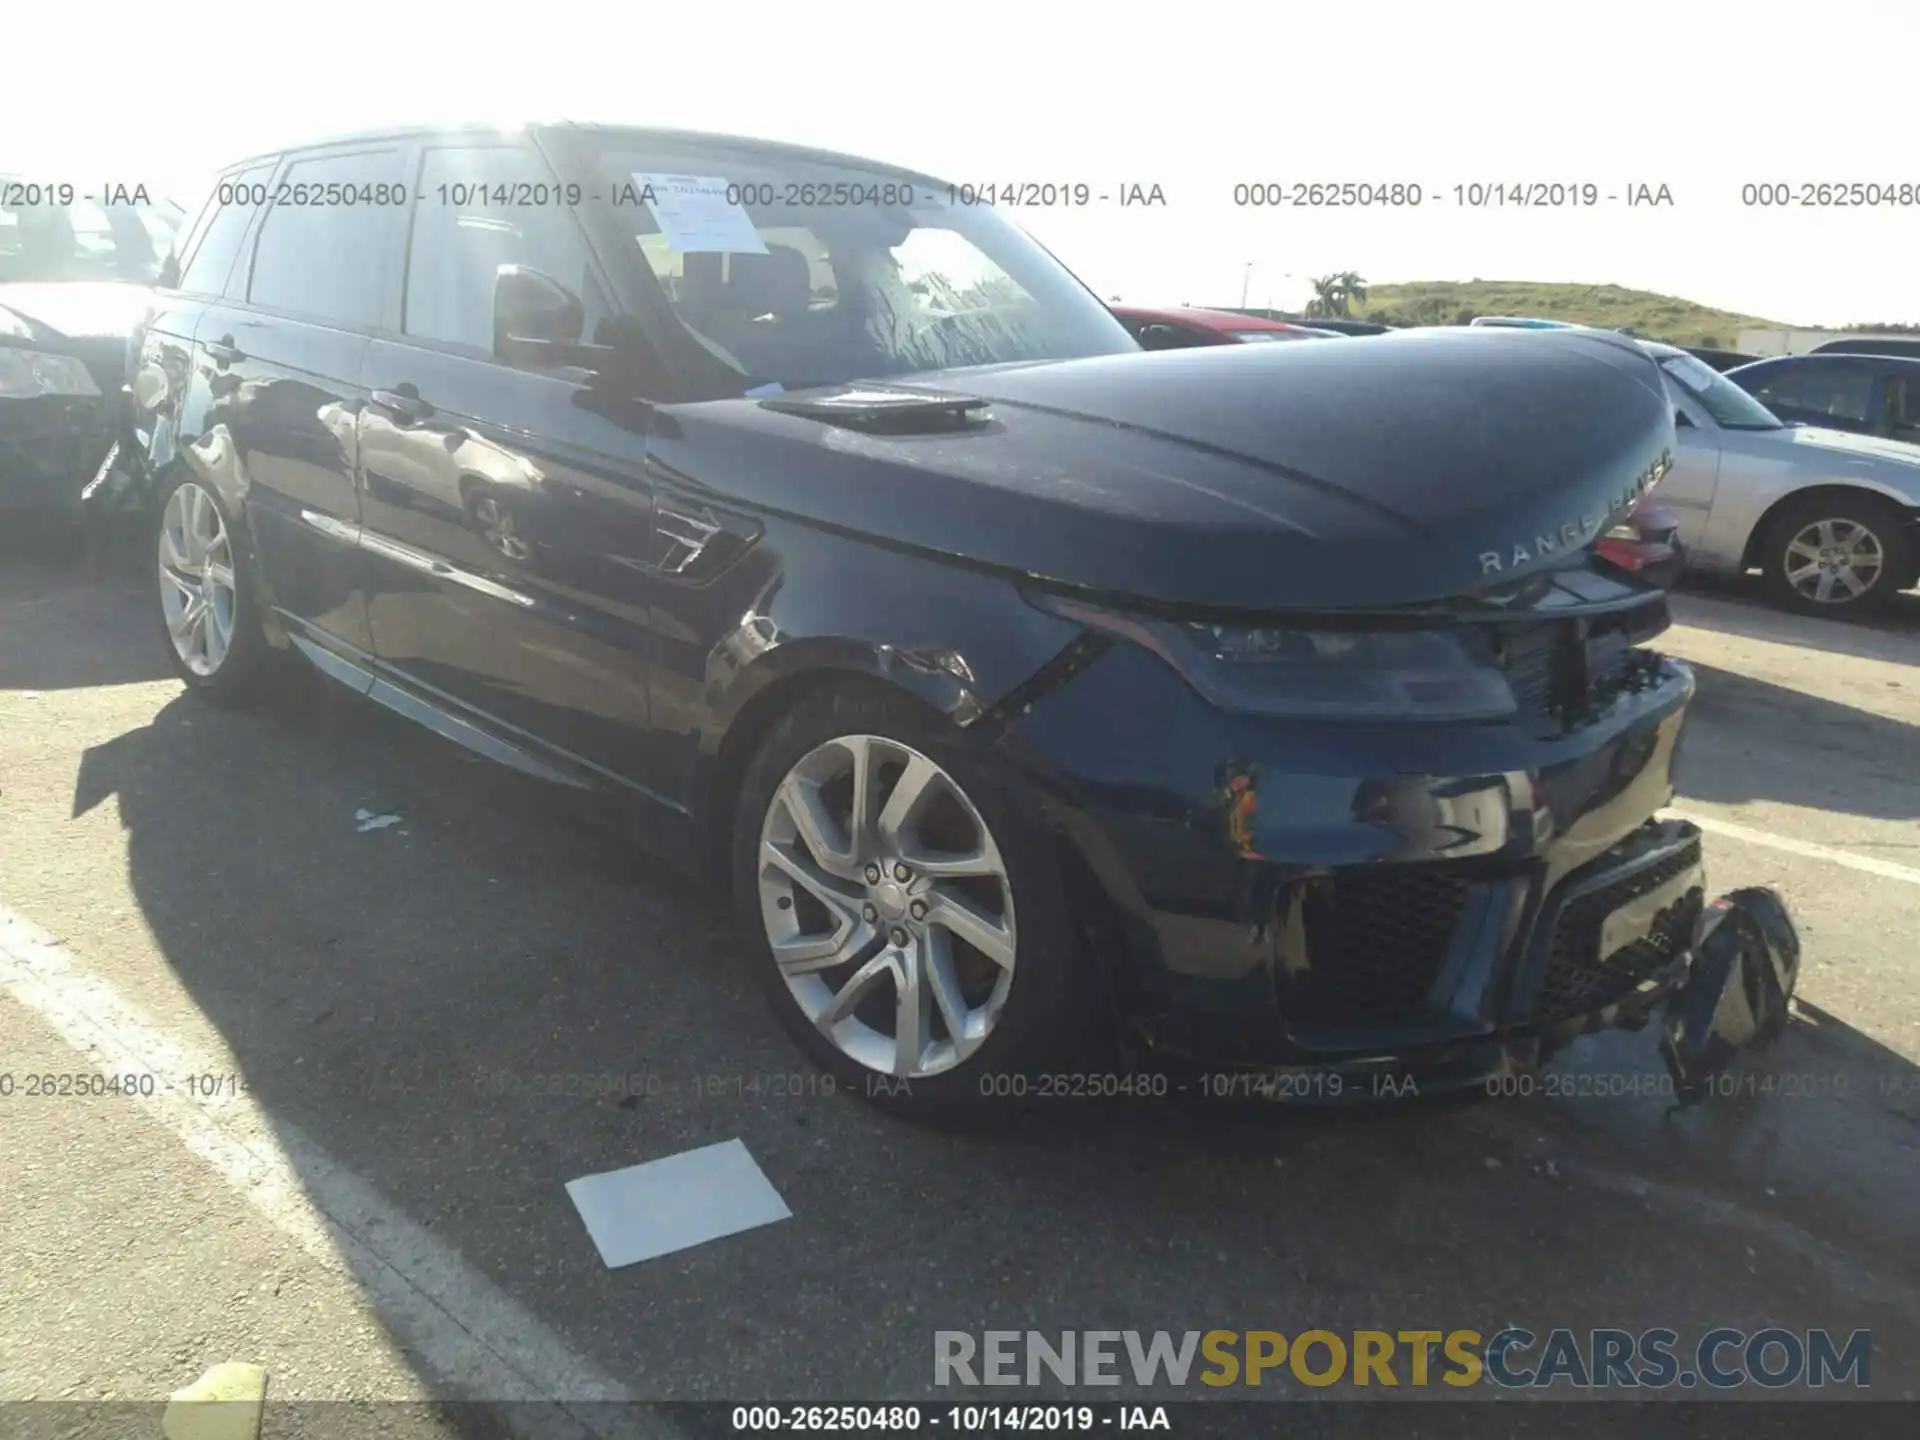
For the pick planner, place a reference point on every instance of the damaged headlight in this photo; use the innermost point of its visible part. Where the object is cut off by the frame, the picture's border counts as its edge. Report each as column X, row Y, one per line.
column 25, row 374
column 1349, row 674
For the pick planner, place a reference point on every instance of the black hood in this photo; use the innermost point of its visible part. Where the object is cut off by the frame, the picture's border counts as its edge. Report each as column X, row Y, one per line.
column 1395, row 470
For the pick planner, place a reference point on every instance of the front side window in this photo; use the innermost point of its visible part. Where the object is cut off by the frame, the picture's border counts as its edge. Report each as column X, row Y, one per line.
column 478, row 209
column 323, row 254
column 806, row 272
column 1731, row 407
column 1840, row 391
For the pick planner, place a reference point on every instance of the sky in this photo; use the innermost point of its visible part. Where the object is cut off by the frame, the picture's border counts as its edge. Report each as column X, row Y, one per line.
column 1702, row 97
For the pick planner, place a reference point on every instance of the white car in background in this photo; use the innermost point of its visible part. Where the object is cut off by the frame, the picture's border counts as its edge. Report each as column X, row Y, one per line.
column 1832, row 520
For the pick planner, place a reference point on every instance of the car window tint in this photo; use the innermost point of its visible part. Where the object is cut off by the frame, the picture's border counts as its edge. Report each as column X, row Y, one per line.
column 1840, row 391
column 480, row 208
column 808, row 271
column 1903, row 405
column 218, row 233
column 323, row 254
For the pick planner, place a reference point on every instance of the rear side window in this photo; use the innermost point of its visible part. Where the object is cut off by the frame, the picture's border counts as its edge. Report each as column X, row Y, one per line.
column 328, row 246
column 1903, row 404
column 481, row 208
column 218, row 233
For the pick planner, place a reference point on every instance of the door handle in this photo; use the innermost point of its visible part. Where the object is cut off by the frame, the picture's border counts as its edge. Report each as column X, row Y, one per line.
column 223, row 351
column 403, row 404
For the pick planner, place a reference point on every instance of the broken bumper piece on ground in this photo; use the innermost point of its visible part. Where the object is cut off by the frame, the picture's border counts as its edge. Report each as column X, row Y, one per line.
column 1745, row 963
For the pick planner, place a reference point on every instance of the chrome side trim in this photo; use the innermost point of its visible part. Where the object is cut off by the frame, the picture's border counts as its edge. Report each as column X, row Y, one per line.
column 346, row 532
column 421, row 711
column 451, row 727
column 334, row 666
column 418, row 560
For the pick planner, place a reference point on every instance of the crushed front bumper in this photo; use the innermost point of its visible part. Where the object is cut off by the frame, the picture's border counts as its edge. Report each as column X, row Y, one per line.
column 1605, row 948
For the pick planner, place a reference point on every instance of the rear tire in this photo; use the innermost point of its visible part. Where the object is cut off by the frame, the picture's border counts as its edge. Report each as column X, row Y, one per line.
column 1856, row 551
column 210, row 616
column 942, row 991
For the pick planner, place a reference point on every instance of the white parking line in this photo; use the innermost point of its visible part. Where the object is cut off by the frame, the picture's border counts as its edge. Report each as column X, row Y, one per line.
column 1866, row 864
column 475, row 1340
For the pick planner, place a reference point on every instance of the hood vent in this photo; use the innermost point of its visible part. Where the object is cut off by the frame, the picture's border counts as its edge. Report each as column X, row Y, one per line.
column 886, row 411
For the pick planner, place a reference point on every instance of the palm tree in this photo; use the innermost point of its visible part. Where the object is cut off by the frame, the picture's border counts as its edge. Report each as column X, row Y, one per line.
column 1336, row 294
column 1327, row 299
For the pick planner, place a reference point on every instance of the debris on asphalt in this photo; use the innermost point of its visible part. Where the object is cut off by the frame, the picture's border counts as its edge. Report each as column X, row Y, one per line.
column 372, row 821
column 656, row 1208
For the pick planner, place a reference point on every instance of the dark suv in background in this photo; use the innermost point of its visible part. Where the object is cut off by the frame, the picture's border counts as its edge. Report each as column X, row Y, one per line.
column 1264, row 704
column 1868, row 394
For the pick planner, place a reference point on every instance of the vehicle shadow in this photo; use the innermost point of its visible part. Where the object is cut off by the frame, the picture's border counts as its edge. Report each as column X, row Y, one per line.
column 413, row 999
column 1750, row 739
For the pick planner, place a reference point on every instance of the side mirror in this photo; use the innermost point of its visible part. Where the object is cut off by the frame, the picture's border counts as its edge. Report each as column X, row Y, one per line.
column 1161, row 337
column 533, row 312
column 1681, row 421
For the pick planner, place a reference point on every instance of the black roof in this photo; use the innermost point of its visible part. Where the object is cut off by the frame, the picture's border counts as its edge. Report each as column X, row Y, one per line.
column 644, row 133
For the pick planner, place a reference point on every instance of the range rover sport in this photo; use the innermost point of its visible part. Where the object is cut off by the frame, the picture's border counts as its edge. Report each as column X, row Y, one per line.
column 1262, row 706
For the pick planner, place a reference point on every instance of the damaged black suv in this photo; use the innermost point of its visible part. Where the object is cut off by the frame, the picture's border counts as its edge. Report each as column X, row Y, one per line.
column 1265, row 708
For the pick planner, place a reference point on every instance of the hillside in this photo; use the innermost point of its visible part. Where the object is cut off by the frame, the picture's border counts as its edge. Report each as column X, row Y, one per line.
column 1651, row 316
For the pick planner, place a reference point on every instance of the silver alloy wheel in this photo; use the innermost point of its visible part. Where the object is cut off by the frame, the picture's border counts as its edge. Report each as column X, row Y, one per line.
column 196, row 579
column 887, row 906
column 1832, row 556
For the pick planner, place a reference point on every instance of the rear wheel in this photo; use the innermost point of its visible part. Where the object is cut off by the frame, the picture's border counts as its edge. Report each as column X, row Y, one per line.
column 208, row 612
column 1829, row 555
column 911, row 927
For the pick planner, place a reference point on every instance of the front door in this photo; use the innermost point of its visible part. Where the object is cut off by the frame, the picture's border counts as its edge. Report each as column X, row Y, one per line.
column 506, row 520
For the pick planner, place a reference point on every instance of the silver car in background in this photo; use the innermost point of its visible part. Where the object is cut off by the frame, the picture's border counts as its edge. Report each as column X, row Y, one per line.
column 1832, row 520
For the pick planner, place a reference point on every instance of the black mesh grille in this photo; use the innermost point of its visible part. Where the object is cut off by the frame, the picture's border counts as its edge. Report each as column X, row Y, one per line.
column 1373, row 942
column 1579, row 980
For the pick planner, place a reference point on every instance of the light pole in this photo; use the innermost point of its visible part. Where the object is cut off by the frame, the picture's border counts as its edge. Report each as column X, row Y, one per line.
column 1246, row 280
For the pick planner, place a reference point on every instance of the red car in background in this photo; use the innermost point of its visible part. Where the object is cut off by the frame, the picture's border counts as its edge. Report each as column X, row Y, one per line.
column 1184, row 326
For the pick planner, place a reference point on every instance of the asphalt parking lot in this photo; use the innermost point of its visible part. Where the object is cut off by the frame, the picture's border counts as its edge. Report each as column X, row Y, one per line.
column 362, row 1192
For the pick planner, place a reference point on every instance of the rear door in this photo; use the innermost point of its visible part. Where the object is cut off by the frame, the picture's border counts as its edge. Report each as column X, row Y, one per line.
column 321, row 275
column 507, row 520
column 165, row 396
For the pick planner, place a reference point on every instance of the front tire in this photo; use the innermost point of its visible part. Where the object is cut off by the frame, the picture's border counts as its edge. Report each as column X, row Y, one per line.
column 904, row 905
column 1836, row 555
column 209, row 614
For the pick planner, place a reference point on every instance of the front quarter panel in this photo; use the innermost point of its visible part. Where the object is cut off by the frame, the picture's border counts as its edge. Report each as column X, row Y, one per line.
column 804, row 602
column 1760, row 469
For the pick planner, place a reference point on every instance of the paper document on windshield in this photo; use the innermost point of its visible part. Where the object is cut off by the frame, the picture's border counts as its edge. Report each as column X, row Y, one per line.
column 696, row 214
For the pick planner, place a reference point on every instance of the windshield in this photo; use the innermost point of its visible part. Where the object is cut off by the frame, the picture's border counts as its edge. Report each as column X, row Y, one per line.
column 1731, row 407
column 803, row 273
column 47, row 233
column 1258, row 335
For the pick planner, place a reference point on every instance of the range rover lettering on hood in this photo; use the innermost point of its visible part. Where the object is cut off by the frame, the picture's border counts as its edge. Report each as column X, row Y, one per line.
column 1574, row 533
